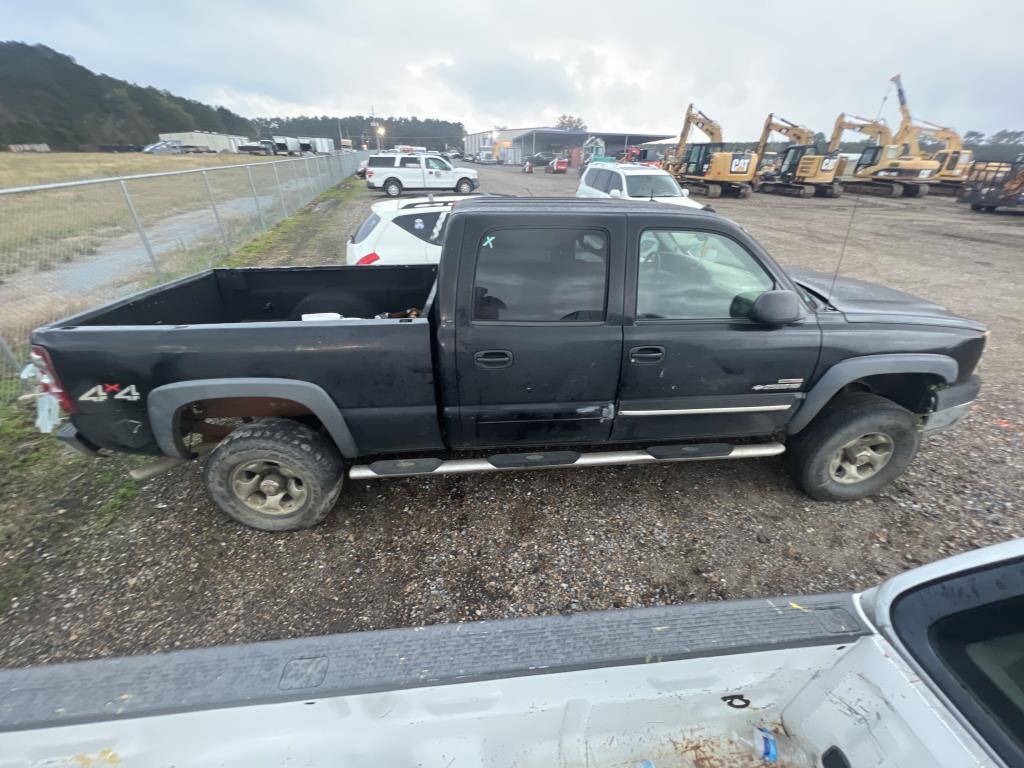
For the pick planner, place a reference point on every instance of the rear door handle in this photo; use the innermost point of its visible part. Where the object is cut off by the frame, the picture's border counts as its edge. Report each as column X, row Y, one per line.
column 493, row 359
column 646, row 355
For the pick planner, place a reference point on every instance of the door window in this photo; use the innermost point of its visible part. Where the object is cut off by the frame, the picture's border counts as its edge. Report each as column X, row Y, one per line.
column 541, row 275
column 437, row 164
column 410, row 162
column 685, row 275
column 615, row 181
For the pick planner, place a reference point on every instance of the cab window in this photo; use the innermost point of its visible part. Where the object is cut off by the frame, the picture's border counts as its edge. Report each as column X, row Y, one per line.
column 410, row 162
column 615, row 182
column 687, row 275
column 541, row 275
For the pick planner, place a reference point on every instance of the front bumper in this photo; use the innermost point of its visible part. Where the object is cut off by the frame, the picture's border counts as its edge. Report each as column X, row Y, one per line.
column 952, row 404
column 475, row 183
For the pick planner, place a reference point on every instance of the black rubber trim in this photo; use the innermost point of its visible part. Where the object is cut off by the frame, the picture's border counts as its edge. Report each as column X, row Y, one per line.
column 958, row 394
column 68, row 434
column 405, row 466
column 365, row 662
column 694, row 451
column 164, row 406
column 536, row 459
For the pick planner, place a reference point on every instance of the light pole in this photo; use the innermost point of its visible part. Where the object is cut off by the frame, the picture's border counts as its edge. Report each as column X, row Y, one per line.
column 380, row 132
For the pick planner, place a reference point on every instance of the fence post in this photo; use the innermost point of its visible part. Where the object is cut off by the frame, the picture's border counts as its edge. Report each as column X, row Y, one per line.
column 280, row 192
column 216, row 215
column 309, row 178
column 7, row 352
column 142, row 232
column 255, row 198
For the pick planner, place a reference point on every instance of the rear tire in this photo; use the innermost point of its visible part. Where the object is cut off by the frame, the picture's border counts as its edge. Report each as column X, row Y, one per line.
column 392, row 188
column 275, row 475
column 855, row 447
column 464, row 187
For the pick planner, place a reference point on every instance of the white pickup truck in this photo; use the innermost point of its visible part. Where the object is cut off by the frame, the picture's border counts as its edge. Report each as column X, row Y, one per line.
column 925, row 670
column 395, row 172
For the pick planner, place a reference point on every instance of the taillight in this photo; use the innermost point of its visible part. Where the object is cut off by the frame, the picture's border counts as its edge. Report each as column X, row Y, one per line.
column 368, row 259
column 369, row 173
column 48, row 380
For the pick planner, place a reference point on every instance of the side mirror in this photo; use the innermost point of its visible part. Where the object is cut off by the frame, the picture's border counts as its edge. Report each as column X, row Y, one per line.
column 686, row 192
column 615, row 193
column 777, row 308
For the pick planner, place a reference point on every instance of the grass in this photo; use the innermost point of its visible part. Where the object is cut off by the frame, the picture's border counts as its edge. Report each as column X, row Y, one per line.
column 24, row 169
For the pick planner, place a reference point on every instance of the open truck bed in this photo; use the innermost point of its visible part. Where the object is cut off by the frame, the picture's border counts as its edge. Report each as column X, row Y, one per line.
column 242, row 323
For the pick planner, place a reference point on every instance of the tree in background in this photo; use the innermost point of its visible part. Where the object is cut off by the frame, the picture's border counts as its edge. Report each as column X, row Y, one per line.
column 1007, row 137
column 974, row 137
column 571, row 123
column 429, row 133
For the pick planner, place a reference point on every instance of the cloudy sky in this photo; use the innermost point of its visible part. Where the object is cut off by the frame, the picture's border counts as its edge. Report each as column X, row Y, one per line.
column 620, row 66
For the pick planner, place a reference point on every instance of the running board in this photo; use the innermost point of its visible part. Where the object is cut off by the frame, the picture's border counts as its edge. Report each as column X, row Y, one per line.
column 507, row 462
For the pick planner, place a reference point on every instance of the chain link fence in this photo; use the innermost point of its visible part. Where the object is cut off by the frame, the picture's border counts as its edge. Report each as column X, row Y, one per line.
column 66, row 247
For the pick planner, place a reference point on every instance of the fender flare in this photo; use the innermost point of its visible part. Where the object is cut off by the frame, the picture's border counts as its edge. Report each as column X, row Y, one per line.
column 853, row 368
column 164, row 406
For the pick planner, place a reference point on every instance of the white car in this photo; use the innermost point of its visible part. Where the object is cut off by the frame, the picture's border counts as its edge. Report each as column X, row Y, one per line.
column 394, row 172
column 635, row 182
column 406, row 231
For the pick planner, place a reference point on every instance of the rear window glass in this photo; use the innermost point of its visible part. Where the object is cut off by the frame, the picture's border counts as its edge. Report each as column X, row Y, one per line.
column 410, row 162
column 541, row 275
column 422, row 225
column 366, row 228
column 382, row 162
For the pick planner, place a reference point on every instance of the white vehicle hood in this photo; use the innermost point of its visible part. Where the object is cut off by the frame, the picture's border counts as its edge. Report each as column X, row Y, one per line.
column 467, row 171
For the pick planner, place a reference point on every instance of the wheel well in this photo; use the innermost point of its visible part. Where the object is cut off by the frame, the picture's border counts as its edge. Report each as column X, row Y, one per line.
column 213, row 419
column 911, row 390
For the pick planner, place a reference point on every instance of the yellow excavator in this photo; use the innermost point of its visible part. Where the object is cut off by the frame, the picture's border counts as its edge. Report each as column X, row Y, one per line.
column 706, row 167
column 883, row 168
column 801, row 171
column 954, row 161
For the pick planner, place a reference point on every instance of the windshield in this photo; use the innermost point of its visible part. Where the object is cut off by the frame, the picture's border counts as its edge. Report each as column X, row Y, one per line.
column 652, row 185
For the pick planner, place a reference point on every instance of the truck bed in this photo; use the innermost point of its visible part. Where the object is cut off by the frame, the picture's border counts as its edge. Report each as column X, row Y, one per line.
column 246, row 323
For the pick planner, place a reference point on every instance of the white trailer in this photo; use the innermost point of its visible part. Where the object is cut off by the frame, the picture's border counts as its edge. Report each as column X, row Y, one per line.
column 287, row 145
column 323, row 145
column 207, row 140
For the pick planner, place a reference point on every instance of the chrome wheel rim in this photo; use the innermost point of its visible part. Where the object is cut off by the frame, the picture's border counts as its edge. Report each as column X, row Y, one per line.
column 861, row 459
column 269, row 487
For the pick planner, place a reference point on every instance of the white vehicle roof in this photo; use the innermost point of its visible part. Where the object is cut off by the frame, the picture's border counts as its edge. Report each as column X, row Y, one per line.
column 426, row 203
column 630, row 169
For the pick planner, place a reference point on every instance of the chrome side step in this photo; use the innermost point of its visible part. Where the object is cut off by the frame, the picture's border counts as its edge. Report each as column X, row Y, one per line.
column 508, row 462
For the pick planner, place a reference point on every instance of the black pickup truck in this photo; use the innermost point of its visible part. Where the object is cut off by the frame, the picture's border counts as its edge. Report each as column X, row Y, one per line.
column 553, row 333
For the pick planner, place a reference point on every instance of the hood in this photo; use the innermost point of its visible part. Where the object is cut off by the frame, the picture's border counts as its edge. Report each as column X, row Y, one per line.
column 467, row 171
column 682, row 202
column 863, row 302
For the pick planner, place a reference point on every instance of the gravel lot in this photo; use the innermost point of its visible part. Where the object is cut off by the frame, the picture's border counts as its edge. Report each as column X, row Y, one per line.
column 170, row 572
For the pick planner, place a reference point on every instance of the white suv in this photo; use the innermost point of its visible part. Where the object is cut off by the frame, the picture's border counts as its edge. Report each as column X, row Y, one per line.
column 634, row 182
column 394, row 172
column 407, row 231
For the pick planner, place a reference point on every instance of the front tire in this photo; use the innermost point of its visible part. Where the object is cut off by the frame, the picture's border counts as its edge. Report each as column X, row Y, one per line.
column 464, row 187
column 275, row 475
column 392, row 188
column 858, row 445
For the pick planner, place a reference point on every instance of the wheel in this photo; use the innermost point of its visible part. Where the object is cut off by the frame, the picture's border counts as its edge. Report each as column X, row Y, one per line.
column 806, row 190
column 547, row 169
column 714, row 190
column 758, row 186
column 896, row 190
column 855, row 447
column 989, row 208
column 915, row 190
column 835, row 189
column 275, row 475
column 742, row 192
column 464, row 187
column 977, row 207
column 392, row 187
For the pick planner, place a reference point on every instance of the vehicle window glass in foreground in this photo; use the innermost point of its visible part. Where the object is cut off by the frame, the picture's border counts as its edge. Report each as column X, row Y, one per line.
column 437, row 164
column 410, row 162
column 366, row 228
column 601, row 179
column 422, row 225
column 382, row 162
column 591, row 178
column 984, row 649
column 654, row 184
column 615, row 181
column 696, row 276
column 541, row 275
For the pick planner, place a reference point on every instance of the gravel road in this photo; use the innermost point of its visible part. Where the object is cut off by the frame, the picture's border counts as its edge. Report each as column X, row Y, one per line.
column 170, row 572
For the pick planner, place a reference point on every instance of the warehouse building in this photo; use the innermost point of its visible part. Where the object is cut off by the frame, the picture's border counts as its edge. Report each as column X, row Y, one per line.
column 513, row 146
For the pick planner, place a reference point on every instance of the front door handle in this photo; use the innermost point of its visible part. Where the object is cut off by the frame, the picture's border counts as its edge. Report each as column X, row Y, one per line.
column 646, row 355
column 492, row 359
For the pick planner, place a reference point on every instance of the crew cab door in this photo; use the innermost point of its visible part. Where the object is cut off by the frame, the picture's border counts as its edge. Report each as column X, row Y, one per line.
column 963, row 627
column 410, row 171
column 439, row 173
column 538, row 329
column 694, row 364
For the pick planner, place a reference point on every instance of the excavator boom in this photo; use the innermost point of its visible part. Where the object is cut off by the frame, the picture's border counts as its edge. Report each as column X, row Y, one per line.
column 697, row 119
column 798, row 134
column 876, row 129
